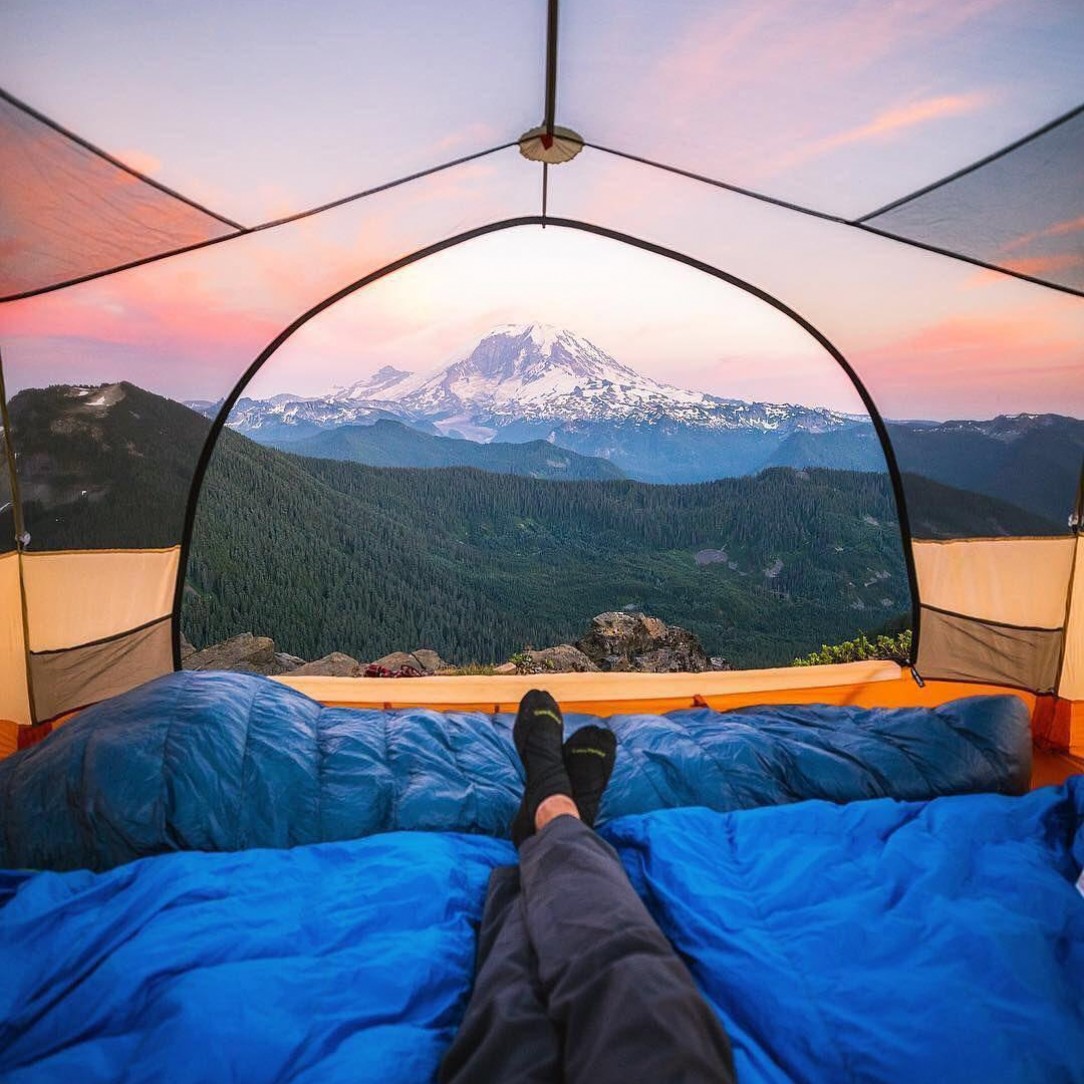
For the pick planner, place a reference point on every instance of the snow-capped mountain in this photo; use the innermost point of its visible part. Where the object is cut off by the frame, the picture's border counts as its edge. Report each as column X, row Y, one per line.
column 535, row 382
column 537, row 372
column 525, row 373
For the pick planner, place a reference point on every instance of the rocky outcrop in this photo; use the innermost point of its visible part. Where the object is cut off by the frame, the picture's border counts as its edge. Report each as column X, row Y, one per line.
column 334, row 665
column 423, row 660
column 615, row 642
column 562, row 659
column 245, row 653
column 634, row 641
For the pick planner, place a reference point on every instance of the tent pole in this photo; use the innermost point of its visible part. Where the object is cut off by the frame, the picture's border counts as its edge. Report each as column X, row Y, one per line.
column 550, row 116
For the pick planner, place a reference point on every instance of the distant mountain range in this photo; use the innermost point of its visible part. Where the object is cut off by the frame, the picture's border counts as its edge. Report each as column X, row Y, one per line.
column 525, row 384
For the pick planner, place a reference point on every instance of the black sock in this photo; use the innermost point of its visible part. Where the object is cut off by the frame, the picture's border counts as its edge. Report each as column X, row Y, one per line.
column 589, row 759
column 538, row 734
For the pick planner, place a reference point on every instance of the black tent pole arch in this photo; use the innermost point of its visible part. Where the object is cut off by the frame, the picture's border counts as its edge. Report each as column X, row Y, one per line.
column 228, row 403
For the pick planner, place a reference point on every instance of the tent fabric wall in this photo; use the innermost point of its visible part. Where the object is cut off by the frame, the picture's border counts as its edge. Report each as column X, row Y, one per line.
column 100, row 622
column 1071, row 685
column 14, row 701
column 994, row 609
column 1011, row 581
column 76, row 598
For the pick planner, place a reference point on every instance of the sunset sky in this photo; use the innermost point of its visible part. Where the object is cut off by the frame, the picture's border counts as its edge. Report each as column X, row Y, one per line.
column 260, row 109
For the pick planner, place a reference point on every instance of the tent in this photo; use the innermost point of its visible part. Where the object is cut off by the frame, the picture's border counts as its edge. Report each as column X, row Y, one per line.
column 186, row 189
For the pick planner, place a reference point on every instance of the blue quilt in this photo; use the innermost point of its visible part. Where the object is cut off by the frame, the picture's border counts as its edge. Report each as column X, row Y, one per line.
column 223, row 762
column 878, row 941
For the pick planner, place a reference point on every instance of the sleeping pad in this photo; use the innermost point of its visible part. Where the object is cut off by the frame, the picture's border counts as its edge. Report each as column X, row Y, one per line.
column 877, row 941
column 222, row 762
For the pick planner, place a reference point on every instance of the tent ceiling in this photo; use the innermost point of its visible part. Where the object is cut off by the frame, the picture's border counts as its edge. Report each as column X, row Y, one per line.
column 259, row 110
column 838, row 105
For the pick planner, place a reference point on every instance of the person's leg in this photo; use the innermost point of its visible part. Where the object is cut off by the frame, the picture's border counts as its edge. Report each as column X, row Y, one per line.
column 625, row 1003
column 626, row 1006
column 506, row 1033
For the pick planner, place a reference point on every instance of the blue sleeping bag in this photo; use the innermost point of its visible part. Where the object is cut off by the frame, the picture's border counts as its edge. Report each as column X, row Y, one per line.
column 221, row 762
column 878, row 941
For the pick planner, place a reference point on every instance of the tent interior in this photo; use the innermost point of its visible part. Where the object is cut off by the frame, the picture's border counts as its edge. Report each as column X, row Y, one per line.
column 846, row 235
column 902, row 187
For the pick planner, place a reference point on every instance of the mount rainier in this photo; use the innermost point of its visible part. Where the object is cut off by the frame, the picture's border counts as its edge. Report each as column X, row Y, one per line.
column 531, row 382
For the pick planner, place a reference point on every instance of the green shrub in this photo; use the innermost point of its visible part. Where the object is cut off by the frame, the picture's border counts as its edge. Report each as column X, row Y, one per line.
column 894, row 648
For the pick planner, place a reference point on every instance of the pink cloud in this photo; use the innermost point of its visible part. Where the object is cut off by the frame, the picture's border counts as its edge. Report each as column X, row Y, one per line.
column 884, row 126
column 475, row 136
column 1044, row 266
column 1026, row 359
column 140, row 161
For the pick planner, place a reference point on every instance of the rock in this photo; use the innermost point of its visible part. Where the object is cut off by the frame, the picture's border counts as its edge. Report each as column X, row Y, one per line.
column 710, row 557
column 719, row 663
column 288, row 662
column 334, row 665
column 245, row 653
column 634, row 641
column 562, row 659
column 506, row 668
column 424, row 659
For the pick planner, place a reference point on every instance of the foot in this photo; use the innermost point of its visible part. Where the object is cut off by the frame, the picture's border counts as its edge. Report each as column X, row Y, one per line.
column 538, row 734
column 589, row 759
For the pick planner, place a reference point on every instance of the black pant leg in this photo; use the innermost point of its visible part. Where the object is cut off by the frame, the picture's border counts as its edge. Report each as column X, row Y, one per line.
column 506, row 1034
column 625, row 1004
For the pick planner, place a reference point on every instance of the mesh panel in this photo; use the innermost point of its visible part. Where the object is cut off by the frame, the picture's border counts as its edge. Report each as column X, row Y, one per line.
column 64, row 680
column 67, row 212
column 1023, row 211
column 956, row 648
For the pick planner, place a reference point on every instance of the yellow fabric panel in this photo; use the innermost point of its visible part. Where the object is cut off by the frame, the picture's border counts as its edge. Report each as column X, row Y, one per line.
column 14, row 704
column 1016, row 581
column 1071, row 686
column 600, row 693
column 77, row 597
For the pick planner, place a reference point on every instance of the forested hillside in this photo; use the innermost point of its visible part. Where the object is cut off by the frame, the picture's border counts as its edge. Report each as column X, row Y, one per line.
column 325, row 556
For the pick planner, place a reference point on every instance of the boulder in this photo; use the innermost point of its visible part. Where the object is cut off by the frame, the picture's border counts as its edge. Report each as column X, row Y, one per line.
column 288, row 662
column 562, row 659
column 424, row 659
column 634, row 641
column 245, row 653
column 334, row 665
